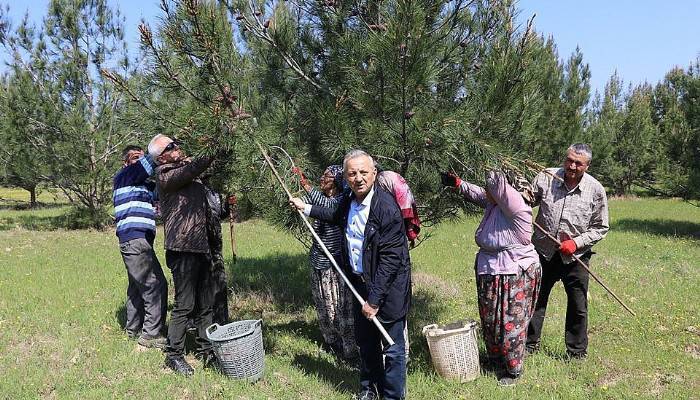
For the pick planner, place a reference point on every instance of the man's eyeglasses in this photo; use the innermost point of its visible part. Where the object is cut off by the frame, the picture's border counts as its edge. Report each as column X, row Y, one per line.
column 170, row 147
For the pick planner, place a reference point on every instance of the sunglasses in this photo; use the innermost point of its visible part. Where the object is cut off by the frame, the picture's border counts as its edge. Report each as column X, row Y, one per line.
column 170, row 147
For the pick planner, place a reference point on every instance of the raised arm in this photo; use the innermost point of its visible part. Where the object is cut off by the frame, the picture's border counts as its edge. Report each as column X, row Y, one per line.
column 316, row 198
column 174, row 179
column 507, row 198
column 473, row 193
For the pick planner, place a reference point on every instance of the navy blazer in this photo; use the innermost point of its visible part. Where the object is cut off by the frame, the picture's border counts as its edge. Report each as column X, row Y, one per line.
column 385, row 261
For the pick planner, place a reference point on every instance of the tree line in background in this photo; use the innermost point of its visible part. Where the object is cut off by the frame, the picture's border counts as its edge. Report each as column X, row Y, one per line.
column 424, row 85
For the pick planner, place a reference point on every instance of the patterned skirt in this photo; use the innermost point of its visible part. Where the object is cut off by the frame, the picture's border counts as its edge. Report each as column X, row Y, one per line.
column 506, row 304
column 334, row 306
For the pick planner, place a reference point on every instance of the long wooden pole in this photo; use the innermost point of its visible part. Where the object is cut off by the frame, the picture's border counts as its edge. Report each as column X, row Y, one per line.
column 323, row 247
column 232, row 204
column 583, row 264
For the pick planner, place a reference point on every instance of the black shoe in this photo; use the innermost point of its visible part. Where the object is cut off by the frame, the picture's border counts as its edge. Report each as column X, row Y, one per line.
column 132, row 335
column 532, row 348
column 158, row 342
column 581, row 355
column 179, row 365
column 367, row 395
column 508, row 380
column 208, row 360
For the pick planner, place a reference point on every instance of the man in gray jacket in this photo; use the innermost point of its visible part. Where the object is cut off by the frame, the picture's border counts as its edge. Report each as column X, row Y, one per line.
column 184, row 210
column 573, row 209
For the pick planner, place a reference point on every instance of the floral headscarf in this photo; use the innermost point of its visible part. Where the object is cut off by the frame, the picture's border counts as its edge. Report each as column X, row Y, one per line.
column 337, row 171
column 521, row 185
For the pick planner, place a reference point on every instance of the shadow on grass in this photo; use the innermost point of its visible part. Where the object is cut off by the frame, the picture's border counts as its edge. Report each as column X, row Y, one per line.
column 426, row 307
column 120, row 315
column 661, row 227
column 341, row 378
column 34, row 222
column 24, row 206
column 277, row 282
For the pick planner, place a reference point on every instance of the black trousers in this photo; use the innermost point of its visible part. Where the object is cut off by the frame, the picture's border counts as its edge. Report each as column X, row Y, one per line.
column 194, row 297
column 575, row 280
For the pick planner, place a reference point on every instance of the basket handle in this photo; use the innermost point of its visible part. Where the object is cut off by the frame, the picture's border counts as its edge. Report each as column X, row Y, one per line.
column 429, row 327
column 250, row 330
column 211, row 329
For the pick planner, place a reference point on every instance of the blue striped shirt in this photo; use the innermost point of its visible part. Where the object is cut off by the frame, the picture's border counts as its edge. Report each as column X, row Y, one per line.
column 133, row 201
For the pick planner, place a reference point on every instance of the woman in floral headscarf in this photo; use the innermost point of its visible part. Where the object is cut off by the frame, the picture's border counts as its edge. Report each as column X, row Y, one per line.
column 332, row 298
column 507, row 266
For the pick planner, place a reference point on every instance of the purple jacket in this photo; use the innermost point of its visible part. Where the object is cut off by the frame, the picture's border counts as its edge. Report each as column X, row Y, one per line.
column 503, row 236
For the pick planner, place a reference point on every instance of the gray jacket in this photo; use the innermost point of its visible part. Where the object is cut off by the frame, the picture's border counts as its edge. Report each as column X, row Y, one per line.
column 580, row 214
column 183, row 203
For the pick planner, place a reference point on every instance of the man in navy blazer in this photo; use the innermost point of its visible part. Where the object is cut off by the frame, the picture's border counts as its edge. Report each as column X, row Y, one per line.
column 375, row 259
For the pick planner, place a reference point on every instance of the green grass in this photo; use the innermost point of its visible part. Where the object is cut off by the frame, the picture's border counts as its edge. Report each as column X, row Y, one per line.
column 62, row 306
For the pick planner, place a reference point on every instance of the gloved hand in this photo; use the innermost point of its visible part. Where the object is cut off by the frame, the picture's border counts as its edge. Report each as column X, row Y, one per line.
column 450, row 179
column 568, row 247
column 302, row 177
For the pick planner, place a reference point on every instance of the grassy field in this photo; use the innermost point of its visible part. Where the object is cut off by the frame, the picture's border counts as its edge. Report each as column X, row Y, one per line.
column 62, row 309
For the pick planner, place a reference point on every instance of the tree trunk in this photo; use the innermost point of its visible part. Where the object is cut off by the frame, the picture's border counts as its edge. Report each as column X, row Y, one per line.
column 32, row 196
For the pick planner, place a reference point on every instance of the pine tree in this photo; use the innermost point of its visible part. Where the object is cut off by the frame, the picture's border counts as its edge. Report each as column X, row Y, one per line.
column 71, row 114
column 22, row 164
column 423, row 85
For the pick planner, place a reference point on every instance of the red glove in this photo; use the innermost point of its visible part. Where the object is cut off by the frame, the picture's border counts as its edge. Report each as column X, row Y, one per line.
column 302, row 177
column 449, row 179
column 232, row 200
column 568, row 247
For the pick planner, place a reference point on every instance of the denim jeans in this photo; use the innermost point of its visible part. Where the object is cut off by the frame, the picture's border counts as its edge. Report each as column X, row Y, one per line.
column 382, row 366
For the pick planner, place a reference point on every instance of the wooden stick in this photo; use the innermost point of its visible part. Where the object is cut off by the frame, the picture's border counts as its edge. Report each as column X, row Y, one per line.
column 325, row 250
column 232, row 201
column 583, row 264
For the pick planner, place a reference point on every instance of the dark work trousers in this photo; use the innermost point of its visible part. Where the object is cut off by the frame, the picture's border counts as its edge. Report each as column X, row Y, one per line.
column 220, row 287
column 194, row 297
column 147, row 293
column 381, row 366
column 575, row 280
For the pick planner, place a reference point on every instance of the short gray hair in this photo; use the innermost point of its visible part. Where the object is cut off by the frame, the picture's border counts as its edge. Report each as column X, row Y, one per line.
column 154, row 147
column 581, row 149
column 355, row 153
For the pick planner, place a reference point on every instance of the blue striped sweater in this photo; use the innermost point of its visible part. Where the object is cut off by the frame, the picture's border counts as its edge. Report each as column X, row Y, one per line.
column 133, row 201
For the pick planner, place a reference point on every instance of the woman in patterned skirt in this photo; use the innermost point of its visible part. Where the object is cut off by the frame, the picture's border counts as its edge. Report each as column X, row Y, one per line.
column 507, row 267
column 332, row 298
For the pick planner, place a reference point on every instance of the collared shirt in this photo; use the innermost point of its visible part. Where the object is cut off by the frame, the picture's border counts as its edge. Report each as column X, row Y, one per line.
column 355, row 229
column 580, row 213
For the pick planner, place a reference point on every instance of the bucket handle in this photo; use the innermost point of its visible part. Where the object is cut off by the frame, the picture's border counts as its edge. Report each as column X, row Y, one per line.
column 429, row 327
column 213, row 327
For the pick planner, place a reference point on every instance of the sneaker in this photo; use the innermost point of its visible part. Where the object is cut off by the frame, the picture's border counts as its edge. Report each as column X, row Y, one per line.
column 508, row 380
column 179, row 365
column 158, row 342
column 366, row 395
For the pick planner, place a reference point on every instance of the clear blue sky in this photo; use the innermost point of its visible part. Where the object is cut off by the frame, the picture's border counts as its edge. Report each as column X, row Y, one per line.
column 641, row 39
